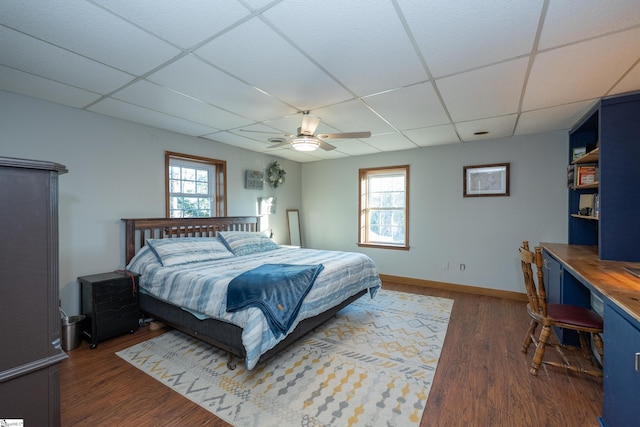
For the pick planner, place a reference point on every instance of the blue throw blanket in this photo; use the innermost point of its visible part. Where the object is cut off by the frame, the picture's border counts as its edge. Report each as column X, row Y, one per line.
column 276, row 289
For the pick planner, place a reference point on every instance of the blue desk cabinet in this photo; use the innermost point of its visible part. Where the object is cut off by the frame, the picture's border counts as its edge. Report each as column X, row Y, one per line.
column 621, row 373
column 553, row 278
column 563, row 288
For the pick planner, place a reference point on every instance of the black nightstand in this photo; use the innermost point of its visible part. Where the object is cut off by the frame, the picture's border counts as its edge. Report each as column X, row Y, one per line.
column 110, row 302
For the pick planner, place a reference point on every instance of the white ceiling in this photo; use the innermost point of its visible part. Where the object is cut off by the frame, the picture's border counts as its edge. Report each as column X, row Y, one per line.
column 414, row 73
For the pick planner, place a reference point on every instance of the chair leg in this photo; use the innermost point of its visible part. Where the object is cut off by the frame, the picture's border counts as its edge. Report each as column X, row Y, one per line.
column 598, row 344
column 540, row 348
column 584, row 345
column 527, row 338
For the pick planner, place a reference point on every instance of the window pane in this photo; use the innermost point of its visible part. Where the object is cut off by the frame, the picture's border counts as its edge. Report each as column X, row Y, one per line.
column 189, row 174
column 188, row 187
column 202, row 176
column 174, row 172
column 202, row 188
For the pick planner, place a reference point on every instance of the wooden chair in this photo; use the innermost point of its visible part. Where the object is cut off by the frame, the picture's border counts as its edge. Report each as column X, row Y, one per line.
column 579, row 319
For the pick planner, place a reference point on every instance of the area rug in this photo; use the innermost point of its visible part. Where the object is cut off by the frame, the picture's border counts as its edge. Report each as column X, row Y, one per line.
column 370, row 365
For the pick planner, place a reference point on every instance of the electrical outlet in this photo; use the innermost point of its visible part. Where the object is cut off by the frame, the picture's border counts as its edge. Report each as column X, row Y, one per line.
column 462, row 267
column 445, row 265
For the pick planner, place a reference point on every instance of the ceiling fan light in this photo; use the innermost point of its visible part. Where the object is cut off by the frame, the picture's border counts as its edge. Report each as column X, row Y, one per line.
column 305, row 144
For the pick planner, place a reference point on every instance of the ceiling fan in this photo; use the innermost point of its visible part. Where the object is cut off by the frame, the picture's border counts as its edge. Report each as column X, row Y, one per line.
column 306, row 139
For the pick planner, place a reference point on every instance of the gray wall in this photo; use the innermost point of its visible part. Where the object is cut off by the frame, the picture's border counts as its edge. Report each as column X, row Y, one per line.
column 446, row 229
column 116, row 170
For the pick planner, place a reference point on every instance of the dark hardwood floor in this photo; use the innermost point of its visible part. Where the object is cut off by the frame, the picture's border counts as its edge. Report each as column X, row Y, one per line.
column 482, row 378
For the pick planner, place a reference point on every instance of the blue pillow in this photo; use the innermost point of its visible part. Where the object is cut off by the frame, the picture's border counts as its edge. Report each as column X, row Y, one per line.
column 246, row 242
column 187, row 250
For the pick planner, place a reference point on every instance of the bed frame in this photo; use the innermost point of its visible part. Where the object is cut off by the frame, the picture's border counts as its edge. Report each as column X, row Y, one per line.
column 221, row 334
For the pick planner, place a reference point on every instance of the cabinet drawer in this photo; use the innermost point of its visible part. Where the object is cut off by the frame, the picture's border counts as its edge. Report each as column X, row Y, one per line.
column 116, row 312
column 117, row 297
column 108, row 290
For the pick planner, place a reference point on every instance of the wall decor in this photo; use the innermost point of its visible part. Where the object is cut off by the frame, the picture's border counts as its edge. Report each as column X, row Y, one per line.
column 266, row 205
column 486, row 180
column 275, row 174
column 253, row 180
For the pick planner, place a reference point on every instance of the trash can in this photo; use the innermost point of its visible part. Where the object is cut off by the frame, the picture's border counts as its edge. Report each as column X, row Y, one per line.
column 71, row 331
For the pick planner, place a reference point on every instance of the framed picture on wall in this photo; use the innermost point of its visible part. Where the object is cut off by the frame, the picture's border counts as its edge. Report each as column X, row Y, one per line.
column 486, row 180
column 254, row 180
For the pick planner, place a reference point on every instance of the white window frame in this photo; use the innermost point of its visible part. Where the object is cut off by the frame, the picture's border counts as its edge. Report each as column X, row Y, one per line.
column 366, row 209
column 216, row 183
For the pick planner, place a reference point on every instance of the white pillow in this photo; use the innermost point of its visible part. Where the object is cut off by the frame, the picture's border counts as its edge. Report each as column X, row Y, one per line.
column 187, row 250
column 246, row 242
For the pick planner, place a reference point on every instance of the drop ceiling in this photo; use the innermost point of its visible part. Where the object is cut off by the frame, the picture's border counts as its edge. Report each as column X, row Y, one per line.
column 414, row 73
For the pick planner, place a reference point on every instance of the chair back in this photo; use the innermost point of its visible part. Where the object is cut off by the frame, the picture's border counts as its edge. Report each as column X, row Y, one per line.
column 536, row 294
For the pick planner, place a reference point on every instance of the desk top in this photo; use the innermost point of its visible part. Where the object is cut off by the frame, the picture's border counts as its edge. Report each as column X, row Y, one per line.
column 607, row 277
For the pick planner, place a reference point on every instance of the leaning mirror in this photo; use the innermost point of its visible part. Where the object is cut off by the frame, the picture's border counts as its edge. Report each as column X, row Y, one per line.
column 293, row 220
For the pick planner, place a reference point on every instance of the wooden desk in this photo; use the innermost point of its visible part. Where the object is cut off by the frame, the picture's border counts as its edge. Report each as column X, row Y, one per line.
column 607, row 278
column 580, row 269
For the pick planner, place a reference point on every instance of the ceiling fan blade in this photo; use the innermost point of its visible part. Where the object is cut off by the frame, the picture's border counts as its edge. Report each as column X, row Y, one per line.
column 288, row 135
column 344, row 135
column 309, row 124
column 325, row 146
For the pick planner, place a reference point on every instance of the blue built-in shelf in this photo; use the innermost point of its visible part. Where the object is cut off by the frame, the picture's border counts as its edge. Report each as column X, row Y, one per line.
column 613, row 126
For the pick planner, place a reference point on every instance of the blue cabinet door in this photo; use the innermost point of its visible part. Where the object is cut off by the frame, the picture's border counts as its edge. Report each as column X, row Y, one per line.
column 621, row 373
column 553, row 278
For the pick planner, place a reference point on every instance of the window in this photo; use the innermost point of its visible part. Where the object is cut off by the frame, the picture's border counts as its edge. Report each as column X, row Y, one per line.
column 195, row 186
column 384, row 207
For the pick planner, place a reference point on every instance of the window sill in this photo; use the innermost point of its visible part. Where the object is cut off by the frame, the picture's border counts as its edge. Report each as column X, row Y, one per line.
column 382, row 246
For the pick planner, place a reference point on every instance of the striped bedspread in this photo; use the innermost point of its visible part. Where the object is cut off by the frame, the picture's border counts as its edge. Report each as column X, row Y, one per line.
column 201, row 287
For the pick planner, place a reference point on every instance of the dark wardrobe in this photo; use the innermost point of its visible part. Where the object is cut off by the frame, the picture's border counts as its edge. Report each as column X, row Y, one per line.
column 29, row 294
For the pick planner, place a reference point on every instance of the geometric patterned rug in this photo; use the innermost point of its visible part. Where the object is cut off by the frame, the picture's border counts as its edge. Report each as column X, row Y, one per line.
column 370, row 365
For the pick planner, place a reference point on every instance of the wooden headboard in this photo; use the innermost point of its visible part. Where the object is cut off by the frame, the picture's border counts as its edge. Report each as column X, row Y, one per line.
column 137, row 230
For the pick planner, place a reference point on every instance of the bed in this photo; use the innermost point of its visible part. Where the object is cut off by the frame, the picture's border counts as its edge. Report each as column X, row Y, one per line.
column 174, row 277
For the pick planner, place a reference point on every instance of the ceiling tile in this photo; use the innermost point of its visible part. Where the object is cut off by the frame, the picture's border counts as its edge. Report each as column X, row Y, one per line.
column 629, row 82
column 89, row 30
column 571, row 21
column 354, row 147
column 459, row 35
column 38, row 87
column 582, row 71
column 184, row 23
column 352, row 116
column 498, row 127
column 362, row 44
column 436, row 135
column 486, row 92
column 163, row 100
column 256, row 54
column 201, row 81
column 26, row 53
column 133, row 113
column 239, row 141
column 553, row 118
column 391, row 142
column 410, row 107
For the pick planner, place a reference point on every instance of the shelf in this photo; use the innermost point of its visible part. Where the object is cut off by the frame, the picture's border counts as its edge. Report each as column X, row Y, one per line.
column 591, row 157
column 592, row 218
column 585, row 187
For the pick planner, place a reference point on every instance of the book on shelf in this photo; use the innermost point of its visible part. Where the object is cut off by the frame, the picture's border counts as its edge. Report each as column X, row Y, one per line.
column 586, row 174
column 570, row 175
